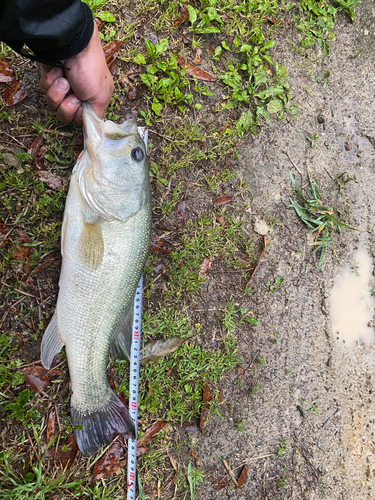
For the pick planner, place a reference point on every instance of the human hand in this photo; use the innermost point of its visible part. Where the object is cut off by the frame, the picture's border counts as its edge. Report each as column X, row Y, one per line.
column 88, row 79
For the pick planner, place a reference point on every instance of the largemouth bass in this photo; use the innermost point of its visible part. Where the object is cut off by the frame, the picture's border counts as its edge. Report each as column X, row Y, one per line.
column 105, row 241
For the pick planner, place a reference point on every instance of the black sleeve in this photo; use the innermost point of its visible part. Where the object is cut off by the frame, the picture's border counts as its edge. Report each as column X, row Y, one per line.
column 53, row 29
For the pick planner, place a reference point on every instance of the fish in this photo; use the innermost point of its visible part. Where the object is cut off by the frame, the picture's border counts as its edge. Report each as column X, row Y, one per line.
column 105, row 241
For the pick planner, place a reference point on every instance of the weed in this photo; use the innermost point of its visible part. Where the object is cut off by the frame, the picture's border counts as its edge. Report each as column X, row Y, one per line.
column 312, row 140
column 282, row 482
column 314, row 409
column 194, row 477
column 275, row 284
column 282, row 450
column 275, row 337
column 319, row 218
column 343, row 179
column 240, row 425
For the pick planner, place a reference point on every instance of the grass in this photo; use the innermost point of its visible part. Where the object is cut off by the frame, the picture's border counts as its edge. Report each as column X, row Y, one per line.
column 194, row 131
column 322, row 220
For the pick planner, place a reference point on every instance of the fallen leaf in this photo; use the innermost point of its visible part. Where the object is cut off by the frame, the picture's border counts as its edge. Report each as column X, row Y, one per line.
column 154, row 351
column 54, row 181
column 195, row 456
column 223, row 200
column 151, row 432
column 207, row 398
column 156, row 248
column 22, row 255
column 181, row 209
column 243, row 477
column 190, row 427
column 243, row 261
column 112, row 460
column 37, row 377
column 121, row 394
column 184, row 16
column 141, row 451
column 206, row 266
column 111, row 51
column 38, row 161
column 4, row 240
column 6, row 73
column 260, row 257
column 240, row 370
column 46, row 264
column 197, row 59
column 36, row 145
column 198, row 73
column 51, row 427
column 132, row 91
column 64, row 459
column 219, row 485
column 225, row 17
column 14, row 93
column 221, row 220
column 273, row 21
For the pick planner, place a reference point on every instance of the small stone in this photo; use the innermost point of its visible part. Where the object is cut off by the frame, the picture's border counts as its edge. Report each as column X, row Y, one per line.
column 370, row 458
column 261, row 227
column 11, row 161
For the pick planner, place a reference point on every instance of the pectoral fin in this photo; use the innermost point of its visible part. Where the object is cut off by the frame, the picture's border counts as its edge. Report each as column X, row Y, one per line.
column 91, row 245
column 51, row 343
column 122, row 340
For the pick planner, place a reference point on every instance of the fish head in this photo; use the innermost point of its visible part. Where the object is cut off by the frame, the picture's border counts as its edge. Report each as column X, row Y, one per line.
column 112, row 173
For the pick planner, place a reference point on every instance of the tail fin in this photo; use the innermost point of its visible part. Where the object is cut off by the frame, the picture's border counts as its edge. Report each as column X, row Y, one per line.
column 100, row 427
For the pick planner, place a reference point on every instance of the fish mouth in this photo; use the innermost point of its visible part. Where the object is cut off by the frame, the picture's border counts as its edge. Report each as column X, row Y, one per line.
column 95, row 129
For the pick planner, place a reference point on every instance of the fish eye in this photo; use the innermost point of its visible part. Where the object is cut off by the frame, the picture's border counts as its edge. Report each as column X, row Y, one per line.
column 137, row 154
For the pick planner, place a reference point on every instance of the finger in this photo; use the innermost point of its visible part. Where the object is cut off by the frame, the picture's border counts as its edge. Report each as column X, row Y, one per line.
column 99, row 103
column 49, row 75
column 56, row 92
column 78, row 118
column 68, row 108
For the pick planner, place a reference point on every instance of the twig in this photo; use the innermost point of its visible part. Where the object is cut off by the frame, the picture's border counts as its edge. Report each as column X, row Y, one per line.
column 315, row 470
column 100, row 456
column 14, row 139
column 328, row 173
column 292, row 162
column 260, row 256
column 231, row 475
column 162, row 136
column 264, row 479
column 19, row 291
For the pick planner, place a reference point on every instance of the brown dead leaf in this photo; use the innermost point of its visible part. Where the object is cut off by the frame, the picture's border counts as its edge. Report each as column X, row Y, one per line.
column 141, row 451
column 225, row 17
column 14, row 93
column 51, row 427
column 194, row 454
column 260, row 258
column 38, row 161
column 197, row 59
column 221, row 220
column 4, row 240
column 207, row 397
column 64, row 459
column 153, row 351
column 151, row 432
column 112, row 460
column 121, row 394
column 111, row 51
column 46, row 264
column 206, row 266
column 132, row 91
column 240, row 370
column 243, row 477
column 219, row 485
column 6, row 73
column 184, row 16
column 54, row 181
column 273, row 21
column 223, row 200
column 243, row 261
column 22, row 255
column 156, row 248
column 198, row 73
column 37, row 377
column 36, row 145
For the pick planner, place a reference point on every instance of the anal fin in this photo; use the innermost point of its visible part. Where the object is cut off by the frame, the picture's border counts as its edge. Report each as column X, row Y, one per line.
column 122, row 339
column 51, row 343
column 91, row 245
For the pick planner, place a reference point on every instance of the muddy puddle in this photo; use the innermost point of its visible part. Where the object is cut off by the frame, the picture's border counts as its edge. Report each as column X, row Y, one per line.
column 352, row 303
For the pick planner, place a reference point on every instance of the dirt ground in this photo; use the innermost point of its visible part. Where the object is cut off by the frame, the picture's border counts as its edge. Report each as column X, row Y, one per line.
column 309, row 430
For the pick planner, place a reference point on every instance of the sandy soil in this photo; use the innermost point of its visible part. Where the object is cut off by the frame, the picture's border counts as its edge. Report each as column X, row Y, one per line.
column 309, row 430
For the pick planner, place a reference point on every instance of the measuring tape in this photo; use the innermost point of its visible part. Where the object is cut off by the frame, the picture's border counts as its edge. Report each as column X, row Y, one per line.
column 135, row 354
column 133, row 387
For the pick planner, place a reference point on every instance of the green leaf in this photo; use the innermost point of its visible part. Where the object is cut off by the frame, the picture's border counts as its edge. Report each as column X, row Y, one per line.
column 268, row 45
column 274, row 106
column 150, row 48
column 106, row 16
column 252, row 321
column 139, row 59
column 157, row 108
column 161, row 46
column 23, row 398
column 225, row 45
column 192, row 14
